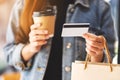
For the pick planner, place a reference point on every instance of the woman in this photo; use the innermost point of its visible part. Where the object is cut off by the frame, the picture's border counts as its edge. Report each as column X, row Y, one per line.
column 40, row 57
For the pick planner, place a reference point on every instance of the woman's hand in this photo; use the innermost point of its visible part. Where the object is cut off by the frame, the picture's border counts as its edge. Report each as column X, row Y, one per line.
column 94, row 46
column 37, row 38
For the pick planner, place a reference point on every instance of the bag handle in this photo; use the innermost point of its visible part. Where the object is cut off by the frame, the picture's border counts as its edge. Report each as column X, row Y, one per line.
column 107, row 53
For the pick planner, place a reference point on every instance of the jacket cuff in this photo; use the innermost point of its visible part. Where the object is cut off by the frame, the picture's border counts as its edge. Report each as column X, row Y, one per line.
column 17, row 59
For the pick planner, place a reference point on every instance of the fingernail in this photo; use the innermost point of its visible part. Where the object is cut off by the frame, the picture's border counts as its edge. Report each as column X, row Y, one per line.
column 51, row 35
column 45, row 31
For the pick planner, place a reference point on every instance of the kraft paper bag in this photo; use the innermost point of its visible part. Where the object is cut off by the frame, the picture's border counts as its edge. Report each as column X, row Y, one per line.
column 85, row 70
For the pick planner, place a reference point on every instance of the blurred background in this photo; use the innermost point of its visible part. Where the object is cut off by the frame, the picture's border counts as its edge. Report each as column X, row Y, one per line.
column 5, row 9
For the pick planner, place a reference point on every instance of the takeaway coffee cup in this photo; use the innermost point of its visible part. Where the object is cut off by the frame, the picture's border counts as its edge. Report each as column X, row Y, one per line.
column 47, row 18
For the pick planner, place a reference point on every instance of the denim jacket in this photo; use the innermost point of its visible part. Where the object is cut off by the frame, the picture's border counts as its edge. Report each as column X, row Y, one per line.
column 95, row 12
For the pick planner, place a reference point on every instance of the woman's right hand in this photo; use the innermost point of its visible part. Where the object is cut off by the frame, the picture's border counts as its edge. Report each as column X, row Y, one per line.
column 37, row 37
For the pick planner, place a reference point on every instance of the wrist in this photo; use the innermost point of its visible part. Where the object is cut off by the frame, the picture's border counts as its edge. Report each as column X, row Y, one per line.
column 26, row 52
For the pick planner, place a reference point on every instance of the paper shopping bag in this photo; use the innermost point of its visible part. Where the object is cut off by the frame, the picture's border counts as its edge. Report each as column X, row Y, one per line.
column 95, row 71
column 84, row 70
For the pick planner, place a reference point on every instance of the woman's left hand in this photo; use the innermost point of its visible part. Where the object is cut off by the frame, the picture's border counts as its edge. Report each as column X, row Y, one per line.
column 94, row 46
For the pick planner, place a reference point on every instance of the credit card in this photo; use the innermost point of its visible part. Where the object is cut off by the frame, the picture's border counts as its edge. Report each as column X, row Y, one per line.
column 74, row 29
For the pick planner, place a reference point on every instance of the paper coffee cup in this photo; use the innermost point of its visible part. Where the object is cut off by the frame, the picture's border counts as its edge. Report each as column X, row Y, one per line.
column 47, row 18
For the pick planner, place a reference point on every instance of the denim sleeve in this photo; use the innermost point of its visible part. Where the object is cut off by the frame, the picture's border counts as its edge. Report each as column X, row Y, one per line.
column 106, row 24
column 13, row 50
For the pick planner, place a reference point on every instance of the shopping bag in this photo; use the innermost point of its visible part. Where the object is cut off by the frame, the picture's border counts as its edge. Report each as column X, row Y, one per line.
column 85, row 70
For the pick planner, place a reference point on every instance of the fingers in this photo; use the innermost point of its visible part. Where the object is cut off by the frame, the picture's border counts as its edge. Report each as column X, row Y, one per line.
column 37, row 44
column 93, row 40
column 37, row 41
column 38, row 32
column 35, row 26
column 38, row 37
column 94, row 45
column 93, row 51
column 93, row 37
column 99, row 45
